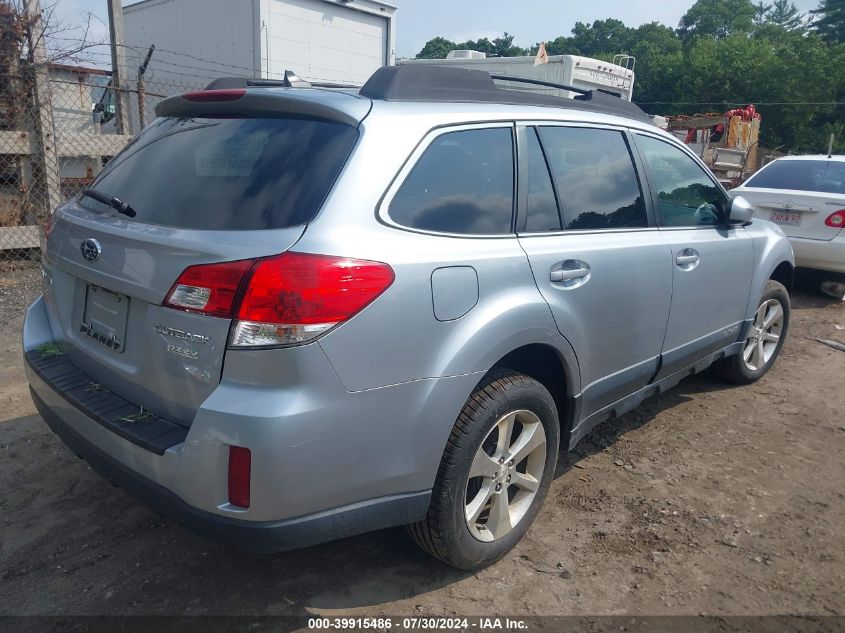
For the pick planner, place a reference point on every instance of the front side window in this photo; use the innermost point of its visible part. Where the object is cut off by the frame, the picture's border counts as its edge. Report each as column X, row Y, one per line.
column 824, row 176
column 686, row 195
column 463, row 183
column 596, row 181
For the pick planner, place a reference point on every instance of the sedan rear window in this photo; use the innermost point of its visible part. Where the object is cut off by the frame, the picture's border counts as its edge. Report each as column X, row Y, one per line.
column 228, row 173
column 823, row 176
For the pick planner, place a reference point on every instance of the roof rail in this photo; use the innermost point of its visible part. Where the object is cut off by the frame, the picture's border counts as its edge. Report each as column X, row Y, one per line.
column 431, row 82
column 540, row 82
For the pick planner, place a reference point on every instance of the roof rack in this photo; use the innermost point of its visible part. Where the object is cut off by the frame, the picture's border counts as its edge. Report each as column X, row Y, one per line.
column 540, row 82
column 430, row 82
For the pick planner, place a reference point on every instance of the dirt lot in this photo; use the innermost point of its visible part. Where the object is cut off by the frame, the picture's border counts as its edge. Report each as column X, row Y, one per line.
column 709, row 499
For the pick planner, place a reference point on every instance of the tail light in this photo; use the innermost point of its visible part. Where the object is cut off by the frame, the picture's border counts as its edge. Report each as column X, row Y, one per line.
column 208, row 289
column 283, row 300
column 836, row 220
column 240, row 469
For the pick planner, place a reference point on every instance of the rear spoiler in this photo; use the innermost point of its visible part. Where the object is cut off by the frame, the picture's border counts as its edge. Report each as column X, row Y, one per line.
column 311, row 104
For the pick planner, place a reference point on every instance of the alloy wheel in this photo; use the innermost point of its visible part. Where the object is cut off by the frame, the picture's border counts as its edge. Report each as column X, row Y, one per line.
column 505, row 475
column 764, row 335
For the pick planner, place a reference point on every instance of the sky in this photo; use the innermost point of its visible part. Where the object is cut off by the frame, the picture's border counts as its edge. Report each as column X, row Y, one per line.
column 418, row 21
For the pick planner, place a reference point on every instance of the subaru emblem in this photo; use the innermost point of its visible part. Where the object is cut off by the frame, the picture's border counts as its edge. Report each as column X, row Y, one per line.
column 91, row 250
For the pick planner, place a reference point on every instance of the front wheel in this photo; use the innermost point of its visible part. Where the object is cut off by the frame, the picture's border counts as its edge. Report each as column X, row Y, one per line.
column 494, row 474
column 764, row 340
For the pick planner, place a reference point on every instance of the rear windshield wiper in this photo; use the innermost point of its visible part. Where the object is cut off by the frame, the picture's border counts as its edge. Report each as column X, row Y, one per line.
column 115, row 203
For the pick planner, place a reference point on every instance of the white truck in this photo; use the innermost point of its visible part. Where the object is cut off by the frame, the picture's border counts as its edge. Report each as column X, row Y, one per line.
column 571, row 70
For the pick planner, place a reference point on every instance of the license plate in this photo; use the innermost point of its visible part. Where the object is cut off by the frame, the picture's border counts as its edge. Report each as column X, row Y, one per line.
column 104, row 318
column 786, row 217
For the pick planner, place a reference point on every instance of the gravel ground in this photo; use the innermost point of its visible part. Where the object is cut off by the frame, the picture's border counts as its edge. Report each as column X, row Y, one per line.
column 708, row 499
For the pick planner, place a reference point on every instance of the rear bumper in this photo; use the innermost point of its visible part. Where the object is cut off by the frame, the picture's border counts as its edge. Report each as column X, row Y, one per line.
column 826, row 255
column 326, row 463
column 251, row 536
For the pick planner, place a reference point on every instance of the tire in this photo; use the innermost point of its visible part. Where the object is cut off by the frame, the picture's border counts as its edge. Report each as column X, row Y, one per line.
column 505, row 405
column 746, row 367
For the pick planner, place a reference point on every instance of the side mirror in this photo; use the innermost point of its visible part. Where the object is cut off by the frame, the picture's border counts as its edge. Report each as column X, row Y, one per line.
column 741, row 211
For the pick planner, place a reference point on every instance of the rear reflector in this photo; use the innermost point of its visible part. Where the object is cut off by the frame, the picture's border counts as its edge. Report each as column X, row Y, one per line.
column 836, row 220
column 295, row 297
column 209, row 288
column 211, row 96
column 240, row 465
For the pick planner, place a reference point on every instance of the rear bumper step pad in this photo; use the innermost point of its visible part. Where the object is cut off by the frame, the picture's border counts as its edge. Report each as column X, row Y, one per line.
column 143, row 428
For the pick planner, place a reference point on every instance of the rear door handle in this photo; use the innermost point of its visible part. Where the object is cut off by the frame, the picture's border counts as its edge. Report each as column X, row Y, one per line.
column 687, row 259
column 570, row 273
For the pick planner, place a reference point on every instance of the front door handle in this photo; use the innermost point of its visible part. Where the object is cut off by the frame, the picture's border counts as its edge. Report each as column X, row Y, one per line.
column 571, row 273
column 687, row 259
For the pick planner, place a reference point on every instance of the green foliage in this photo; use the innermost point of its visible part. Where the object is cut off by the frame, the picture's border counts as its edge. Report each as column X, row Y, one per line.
column 50, row 350
column 726, row 53
column 830, row 20
column 503, row 46
column 717, row 18
column 784, row 13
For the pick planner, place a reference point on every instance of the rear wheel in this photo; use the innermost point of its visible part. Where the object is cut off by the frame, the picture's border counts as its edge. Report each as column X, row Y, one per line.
column 764, row 340
column 494, row 474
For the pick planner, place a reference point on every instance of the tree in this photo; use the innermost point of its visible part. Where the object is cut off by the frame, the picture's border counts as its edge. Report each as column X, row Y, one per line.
column 784, row 13
column 830, row 20
column 436, row 48
column 761, row 9
column 717, row 18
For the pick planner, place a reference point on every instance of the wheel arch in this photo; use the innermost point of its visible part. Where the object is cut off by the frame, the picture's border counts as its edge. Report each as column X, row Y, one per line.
column 545, row 364
column 784, row 273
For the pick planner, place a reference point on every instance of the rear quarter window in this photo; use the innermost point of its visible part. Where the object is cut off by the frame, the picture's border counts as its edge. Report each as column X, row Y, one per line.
column 228, row 173
column 463, row 183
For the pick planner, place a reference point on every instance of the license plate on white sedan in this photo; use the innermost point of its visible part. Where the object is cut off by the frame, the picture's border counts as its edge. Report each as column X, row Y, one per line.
column 786, row 217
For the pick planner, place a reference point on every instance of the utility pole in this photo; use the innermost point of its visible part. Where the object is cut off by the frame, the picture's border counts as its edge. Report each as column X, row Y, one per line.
column 142, row 93
column 118, row 65
column 43, row 140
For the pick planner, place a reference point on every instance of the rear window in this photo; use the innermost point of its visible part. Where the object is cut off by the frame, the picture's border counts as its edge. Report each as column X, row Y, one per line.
column 228, row 173
column 824, row 176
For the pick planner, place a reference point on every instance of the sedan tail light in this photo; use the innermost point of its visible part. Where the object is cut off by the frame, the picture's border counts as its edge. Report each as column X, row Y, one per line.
column 836, row 220
column 282, row 300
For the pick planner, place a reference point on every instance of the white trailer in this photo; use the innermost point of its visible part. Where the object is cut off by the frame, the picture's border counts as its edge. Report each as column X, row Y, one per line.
column 338, row 41
column 570, row 70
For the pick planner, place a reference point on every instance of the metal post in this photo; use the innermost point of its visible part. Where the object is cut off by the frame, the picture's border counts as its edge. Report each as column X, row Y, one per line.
column 830, row 145
column 118, row 65
column 142, row 94
column 43, row 138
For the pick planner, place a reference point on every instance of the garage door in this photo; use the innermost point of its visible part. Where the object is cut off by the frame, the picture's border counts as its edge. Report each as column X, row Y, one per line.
column 322, row 41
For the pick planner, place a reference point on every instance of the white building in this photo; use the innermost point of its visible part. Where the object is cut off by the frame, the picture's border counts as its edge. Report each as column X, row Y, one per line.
column 338, row 41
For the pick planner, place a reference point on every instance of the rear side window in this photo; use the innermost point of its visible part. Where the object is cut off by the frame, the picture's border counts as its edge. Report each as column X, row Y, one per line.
column 232, row 174
column 542, row 213
column 463, row 183
column 596, row 180
column 824, row 176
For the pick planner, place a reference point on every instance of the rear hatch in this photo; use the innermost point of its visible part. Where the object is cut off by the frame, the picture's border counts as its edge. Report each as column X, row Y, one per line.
column 205, row 188
column 801, row 196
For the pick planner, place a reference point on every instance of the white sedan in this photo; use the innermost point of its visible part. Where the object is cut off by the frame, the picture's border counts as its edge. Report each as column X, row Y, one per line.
column 805, row 196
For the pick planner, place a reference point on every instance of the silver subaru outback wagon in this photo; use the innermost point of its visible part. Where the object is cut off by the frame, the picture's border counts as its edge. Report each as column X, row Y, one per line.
column 284, row 315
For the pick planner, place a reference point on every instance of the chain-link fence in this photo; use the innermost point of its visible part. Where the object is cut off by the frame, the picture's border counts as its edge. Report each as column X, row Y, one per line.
column 57, row 131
